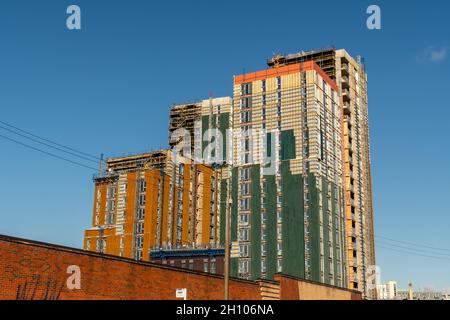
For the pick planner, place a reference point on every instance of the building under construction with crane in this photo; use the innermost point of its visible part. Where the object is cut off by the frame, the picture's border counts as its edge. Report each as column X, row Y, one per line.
column 291, row 169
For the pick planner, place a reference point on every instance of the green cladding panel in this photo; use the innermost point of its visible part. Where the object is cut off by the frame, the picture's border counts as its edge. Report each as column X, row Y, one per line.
column 292, row 223
column 287, row 145
column 255, row 220
column 224, row 125
column 314, row 228
column 326, row 221
column 234, row 218
column 335, row 216
column 223, row 208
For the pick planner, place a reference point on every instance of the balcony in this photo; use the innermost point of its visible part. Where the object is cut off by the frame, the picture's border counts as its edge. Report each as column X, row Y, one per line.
column 345, row 82
column 346, row 108
column 345, row 70
column 345, row 95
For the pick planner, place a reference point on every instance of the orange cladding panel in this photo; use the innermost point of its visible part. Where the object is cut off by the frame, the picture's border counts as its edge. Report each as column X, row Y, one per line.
column 282, row 71
column 206, row 214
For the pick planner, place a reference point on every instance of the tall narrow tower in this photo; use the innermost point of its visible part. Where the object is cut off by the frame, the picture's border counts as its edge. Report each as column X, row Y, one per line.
column 287, row 180
column 350, row 76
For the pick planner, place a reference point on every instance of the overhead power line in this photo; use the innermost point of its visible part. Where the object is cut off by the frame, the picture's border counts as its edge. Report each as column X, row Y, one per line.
column 413, row 244
column 47, row 153
column 50, row 141
column 413, row 253
column 49, row 145
column 413, row 249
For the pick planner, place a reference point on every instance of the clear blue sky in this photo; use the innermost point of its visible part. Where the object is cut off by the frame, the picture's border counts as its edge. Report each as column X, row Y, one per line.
column 107, row 89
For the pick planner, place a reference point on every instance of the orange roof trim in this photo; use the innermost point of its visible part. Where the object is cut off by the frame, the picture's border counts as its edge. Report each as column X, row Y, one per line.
column 284, row 70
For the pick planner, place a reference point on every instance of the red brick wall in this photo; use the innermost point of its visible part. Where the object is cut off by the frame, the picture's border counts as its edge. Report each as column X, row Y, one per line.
column 32, row 270
column 40, row 271
column 298, row 289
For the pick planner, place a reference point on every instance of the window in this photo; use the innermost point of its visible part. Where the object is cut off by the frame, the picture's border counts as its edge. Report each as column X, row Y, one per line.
column 246, row 88
column 246, row 117
column 263, row 265
column 139, row 241
column 263, row 217
column 243, row 266
column 213, row 266
column 244, row 234
column 280, row 248
column 244, row 204
column 110, row 205
column 138, row 255
column 111, row 193
column 244, row 174
column 191, row 264
column 263, row 249
column 278, row 83
column 279, row 217
column 88, row 244
column 263, row 85
column 205, row 265
column 103, row 248
column 140, row 227
column 142, row 185
column 279, row 265
column 245, row 189
column 243, row 218
column 142, row 199
column 264, row 99
column 141, row 214
column 243, row 250
column 246, row 103
column 183, row 263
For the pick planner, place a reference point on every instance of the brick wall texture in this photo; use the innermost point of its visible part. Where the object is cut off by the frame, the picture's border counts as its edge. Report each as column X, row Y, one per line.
column 33, row 270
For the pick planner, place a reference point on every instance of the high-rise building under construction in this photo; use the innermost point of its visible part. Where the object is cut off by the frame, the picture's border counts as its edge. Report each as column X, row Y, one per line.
column 287, row 181
column 350, row 76
column 153, row 201
column 292, row 169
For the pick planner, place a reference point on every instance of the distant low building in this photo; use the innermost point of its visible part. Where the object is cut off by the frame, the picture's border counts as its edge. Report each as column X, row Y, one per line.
column 387, row 291
column 207, row 260
column 423, row 295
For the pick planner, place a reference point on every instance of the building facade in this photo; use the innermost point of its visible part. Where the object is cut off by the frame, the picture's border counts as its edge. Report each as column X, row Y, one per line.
column 288, row 155
column 204, row 260
column 351, row 79
column 153, row 201
column 287, row 178
column 387, row 291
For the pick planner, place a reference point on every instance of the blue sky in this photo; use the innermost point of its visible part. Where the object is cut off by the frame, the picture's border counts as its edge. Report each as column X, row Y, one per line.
column 107, row 89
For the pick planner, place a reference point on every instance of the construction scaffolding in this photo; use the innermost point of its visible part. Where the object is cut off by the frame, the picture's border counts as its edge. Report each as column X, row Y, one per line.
column 325, row 58
column 155, row 159
column 184, row 116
